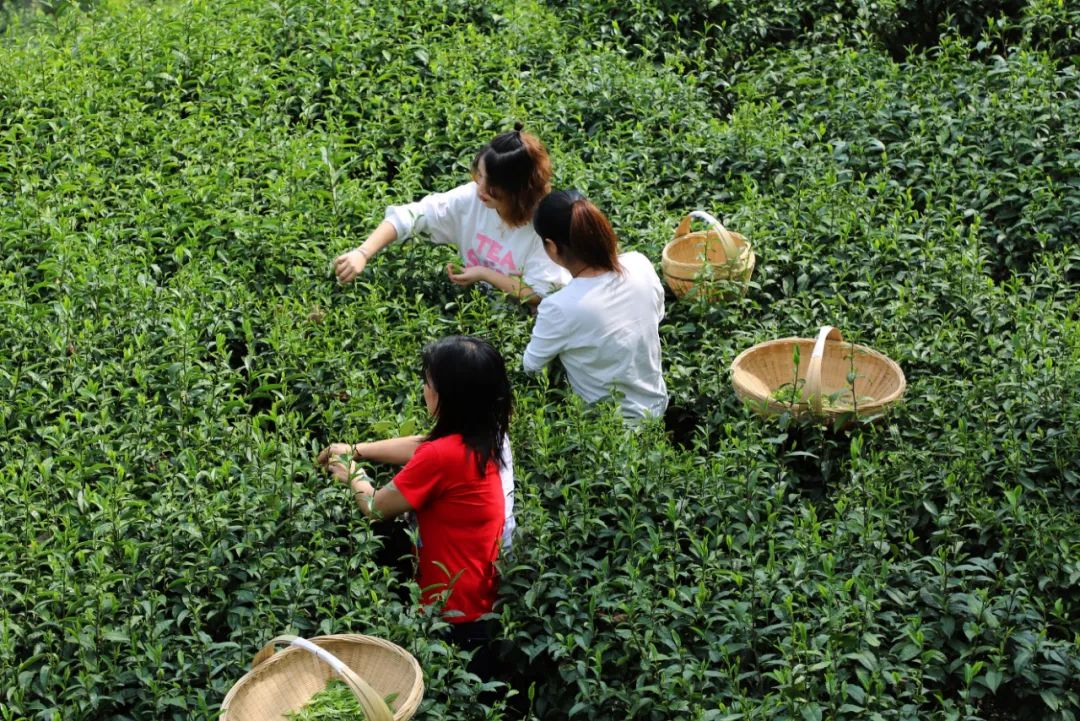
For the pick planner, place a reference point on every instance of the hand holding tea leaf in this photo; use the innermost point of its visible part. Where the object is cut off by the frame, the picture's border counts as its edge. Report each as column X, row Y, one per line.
column 467, row 276
column 333, row 452
column 336, row 459
column 349, row 265
column 512, row 285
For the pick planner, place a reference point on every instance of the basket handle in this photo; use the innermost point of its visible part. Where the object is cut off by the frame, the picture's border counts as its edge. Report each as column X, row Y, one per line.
column 813, row 372
column 731, row 250
column 375, row 709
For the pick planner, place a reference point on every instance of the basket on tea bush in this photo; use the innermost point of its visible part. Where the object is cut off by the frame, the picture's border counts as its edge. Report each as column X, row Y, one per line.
column 829, row 378
column 280, row 683
column 723, row 260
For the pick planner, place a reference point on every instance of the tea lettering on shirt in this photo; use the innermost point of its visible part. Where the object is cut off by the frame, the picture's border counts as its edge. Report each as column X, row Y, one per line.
column 489, row 253
column 493, row 248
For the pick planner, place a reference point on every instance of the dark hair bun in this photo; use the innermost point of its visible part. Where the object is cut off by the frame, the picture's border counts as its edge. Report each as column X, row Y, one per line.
column 518, row 126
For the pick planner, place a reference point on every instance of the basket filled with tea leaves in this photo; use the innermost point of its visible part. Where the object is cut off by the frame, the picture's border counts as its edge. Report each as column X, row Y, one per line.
column 327, row 678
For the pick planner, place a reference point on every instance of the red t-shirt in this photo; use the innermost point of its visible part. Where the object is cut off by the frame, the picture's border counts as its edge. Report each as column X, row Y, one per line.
column 460, row 514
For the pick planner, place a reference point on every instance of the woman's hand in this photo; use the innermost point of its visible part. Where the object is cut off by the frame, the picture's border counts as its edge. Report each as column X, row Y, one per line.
column 351, row 475
column 330, row 458
column 513, row 285
column 333, row 452
column 467, row 276
column 349, row 265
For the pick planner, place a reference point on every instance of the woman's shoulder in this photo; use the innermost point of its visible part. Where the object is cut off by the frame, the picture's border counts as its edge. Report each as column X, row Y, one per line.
column 439, row 443
column 635, row 259
column 559, row 301
column 441, row 447
column 448, row 457
column 462, row 196
column 440, row 206
column 637, row 263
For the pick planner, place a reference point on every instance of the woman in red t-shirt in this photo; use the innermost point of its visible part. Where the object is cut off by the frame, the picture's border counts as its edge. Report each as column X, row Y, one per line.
column 451, row 481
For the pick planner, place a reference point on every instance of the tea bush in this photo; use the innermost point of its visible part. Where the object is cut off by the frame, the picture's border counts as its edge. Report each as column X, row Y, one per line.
column 729, row 33
column 176, row 177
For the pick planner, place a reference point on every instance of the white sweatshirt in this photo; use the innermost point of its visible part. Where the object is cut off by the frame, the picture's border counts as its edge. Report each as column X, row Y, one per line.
column 605, row 330
column 458, row 217
column 506, row 475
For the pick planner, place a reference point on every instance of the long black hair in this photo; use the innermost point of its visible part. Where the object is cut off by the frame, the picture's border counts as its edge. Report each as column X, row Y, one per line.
column 579, row 230
column 474, row 395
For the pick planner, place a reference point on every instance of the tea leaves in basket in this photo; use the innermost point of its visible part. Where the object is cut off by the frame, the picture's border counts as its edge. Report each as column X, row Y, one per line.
column 789, row 393
column 793, row 394
column 336, row 702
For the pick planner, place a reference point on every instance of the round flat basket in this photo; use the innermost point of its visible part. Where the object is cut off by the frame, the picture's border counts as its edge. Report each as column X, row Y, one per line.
column 767, row 378
column 719, row 259
column 283, row 682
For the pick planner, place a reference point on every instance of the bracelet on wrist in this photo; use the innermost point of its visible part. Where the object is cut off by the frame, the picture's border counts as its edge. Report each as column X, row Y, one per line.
column 361, row 251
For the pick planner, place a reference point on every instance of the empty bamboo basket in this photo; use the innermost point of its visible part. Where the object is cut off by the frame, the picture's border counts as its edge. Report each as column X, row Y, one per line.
column 718, row 257
column 820, row 385
column 282, row 682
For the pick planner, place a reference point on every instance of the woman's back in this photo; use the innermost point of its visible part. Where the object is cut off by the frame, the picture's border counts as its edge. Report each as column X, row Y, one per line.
column 460, row 514
column 604, row 329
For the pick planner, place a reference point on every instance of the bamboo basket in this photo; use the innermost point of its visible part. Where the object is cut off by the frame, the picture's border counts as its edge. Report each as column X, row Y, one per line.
column 824, row 363
column 282, row 682
column 719, row 257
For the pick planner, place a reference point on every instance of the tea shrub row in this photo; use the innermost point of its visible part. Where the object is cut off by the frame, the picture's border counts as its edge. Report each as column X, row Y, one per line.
column 175, row 178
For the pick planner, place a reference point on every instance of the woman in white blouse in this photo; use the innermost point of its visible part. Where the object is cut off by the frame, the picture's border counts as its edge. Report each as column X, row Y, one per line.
column 488, row 220
column 604, row 325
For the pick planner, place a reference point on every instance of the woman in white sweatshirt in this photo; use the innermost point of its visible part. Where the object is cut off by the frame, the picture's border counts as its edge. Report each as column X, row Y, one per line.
column 488, row 220
column 604, row 325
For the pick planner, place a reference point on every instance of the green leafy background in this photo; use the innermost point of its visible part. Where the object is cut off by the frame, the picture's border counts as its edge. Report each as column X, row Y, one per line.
column 176, row 177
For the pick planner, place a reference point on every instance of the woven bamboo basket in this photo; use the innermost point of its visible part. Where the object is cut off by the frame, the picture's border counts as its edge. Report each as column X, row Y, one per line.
column 282, row 682
column 719, row 258
column 821, row 386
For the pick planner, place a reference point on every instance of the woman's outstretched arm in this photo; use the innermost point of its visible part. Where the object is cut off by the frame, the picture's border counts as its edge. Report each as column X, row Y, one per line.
column 394, row 451
column 387, row 502
column 349, row 265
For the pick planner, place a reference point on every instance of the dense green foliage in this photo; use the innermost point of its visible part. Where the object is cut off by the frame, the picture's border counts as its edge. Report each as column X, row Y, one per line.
column 176, row 177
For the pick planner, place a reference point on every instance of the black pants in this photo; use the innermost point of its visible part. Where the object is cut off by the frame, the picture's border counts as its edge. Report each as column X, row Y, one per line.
column 478, row 636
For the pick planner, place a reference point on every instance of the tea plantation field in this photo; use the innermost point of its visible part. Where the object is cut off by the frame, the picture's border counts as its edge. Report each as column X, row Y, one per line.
column 176, row 178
